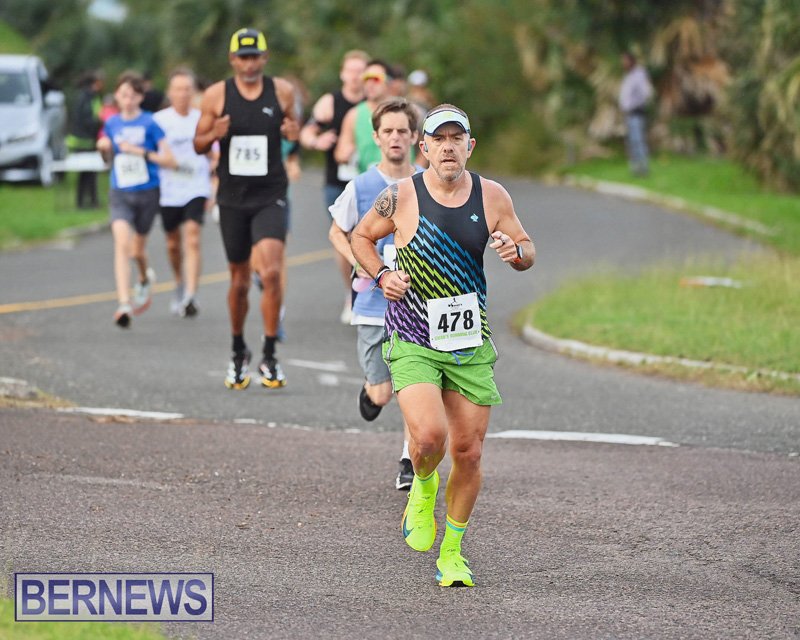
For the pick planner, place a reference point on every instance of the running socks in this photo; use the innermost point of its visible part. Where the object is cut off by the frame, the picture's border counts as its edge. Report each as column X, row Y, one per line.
column 453, row 568
column 419, row 524
column 269, row 346
column 453, row 533
column 238, row 344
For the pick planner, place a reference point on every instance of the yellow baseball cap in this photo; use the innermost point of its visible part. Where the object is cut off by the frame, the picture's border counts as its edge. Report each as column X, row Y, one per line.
column 374, row 75
column 248, row 42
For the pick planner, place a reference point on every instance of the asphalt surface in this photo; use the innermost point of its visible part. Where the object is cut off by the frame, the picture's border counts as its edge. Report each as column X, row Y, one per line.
column 296, row 514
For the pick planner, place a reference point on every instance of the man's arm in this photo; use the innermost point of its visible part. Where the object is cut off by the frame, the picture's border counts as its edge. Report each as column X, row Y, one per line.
column 344, row 212
column 339, row 240
column 309, row 134
column 212, row 125
column 321, row 115
column 346, row 145
column 290, row 127
column 376, row 224
column 511, row 242
column 105, row 147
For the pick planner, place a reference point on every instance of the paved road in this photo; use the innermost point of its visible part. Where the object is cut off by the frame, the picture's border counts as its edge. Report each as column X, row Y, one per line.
column 569, row 539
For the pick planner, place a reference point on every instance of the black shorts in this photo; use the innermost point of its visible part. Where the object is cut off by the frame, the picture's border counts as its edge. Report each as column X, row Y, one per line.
column 242, row 228
column 173, row 217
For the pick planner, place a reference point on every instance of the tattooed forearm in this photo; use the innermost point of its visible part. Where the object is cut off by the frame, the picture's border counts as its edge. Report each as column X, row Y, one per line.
column 386, row 203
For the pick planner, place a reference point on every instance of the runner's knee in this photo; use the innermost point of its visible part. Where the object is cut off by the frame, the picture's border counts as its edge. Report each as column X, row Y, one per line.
column 270, row 275
column 380, row 394
column 173, row 241
column 192, row 242
column 240, row 281
column 428, row 443
column 466, row 453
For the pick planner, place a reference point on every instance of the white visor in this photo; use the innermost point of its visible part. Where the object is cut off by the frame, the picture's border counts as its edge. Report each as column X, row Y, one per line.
column 438, row 118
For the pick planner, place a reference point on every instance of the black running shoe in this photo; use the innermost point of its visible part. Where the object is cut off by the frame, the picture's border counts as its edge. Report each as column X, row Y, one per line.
column 122, row 317
column 238, row 376
column 189, row 308
column 271, row 373
column 405, row 476
column 366, row 407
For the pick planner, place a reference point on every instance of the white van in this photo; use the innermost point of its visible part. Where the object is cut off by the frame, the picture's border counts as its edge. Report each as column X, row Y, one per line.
column 32, row 121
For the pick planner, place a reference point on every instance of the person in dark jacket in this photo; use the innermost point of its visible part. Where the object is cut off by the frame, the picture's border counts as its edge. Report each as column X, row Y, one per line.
column 84, row 125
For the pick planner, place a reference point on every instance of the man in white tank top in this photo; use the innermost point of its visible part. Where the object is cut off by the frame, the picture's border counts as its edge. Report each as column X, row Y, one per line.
column 185, row 191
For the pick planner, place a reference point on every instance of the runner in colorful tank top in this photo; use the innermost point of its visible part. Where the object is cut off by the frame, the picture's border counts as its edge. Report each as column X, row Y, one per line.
column 439, row 350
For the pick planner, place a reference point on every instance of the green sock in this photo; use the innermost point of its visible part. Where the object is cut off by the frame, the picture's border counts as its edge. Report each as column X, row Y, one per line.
column 453, row 532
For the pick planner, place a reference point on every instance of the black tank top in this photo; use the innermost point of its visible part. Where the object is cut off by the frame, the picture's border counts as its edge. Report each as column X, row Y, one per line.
column 444, row 258
column 465, row 225
column 251, row 122
column 341, row 106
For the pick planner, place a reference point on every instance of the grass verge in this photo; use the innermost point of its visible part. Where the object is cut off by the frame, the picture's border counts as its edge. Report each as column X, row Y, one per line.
column 754, row 326
column 11, row 630
column 712, row 182
column 30, row 213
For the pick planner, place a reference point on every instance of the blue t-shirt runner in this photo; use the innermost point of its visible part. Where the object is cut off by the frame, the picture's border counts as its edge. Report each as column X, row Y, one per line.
column 132, row 172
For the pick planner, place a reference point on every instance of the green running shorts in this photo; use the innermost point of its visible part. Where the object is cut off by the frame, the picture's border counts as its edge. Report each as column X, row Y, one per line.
column 470, row 372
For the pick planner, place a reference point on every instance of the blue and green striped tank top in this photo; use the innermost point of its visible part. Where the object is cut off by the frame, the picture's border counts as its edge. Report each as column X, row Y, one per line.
column 444, row 259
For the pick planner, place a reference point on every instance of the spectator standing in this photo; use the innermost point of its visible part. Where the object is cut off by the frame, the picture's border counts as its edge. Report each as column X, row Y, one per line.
column 84, row 126
column 635, row 93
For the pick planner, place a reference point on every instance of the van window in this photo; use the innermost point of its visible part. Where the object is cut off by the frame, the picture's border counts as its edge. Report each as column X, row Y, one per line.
column 15, row 88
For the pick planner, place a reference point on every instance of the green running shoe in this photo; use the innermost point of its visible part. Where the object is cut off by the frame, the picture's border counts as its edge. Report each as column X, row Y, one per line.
column 419, row 524
column 454, row 570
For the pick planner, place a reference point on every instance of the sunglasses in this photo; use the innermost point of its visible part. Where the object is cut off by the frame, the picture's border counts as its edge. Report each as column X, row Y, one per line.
column 374, row 76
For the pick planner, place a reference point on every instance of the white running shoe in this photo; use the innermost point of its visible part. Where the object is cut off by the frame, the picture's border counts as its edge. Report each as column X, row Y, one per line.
column 176, row 304
column 142, row 293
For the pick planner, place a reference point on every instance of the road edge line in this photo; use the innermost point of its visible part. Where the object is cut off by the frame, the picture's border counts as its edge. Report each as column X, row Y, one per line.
column 576, row 348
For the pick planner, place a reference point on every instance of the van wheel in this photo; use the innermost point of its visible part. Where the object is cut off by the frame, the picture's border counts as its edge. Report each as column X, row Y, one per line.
column 45, row 169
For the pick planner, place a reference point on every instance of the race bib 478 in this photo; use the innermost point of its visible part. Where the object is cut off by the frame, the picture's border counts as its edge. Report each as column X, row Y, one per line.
column 455, row 323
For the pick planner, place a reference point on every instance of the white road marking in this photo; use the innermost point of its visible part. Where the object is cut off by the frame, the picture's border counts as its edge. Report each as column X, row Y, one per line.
column 577, row 436
column 332, row 380
column 98, row 480
column 128, row 413
column 336, row 366
column 328, row 380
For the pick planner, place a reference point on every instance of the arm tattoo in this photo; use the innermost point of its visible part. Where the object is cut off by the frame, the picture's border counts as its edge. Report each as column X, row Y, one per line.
column 386, row 203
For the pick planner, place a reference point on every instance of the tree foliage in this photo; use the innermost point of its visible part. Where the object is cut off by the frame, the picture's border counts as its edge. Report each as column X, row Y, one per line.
column 538, row 77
